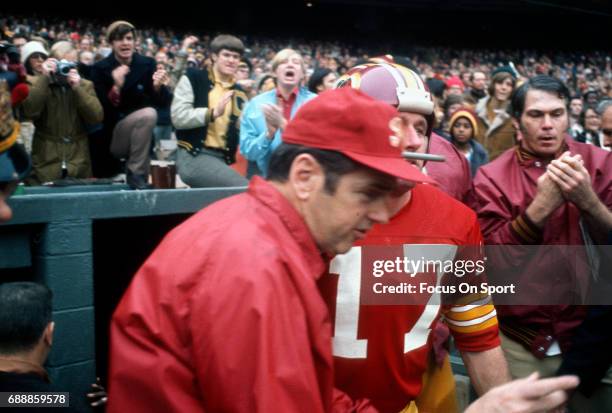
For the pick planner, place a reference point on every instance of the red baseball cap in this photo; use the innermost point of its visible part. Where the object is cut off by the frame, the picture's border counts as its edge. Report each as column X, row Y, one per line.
column 348, row 121
column 454, row 81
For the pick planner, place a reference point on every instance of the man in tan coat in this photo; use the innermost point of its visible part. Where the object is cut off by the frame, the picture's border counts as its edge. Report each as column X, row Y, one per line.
column 61, row 105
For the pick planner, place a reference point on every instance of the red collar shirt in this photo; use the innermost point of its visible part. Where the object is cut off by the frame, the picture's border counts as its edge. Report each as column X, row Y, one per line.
column 286, row 104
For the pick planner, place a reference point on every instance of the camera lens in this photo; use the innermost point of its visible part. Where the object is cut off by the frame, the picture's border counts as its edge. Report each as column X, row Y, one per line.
column 64, row 67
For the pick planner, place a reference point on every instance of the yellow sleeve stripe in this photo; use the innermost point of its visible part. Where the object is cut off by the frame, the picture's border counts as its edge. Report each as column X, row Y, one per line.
column 525, row 231
column 521, row 222
column 473, row 329
column 473, row 314
column 519, row 231
column 473, row 321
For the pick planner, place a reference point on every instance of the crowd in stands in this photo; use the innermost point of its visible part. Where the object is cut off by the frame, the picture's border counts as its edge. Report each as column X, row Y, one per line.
column 533, row 128
column 581, row 71
column 480, row 81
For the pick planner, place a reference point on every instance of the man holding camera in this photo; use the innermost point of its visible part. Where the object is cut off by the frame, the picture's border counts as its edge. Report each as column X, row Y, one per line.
column 61, row 104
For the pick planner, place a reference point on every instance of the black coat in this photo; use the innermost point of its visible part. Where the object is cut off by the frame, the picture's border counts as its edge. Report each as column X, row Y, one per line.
column 137, row 93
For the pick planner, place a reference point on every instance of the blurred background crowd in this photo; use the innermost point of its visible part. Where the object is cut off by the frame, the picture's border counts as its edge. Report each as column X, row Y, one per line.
column 480, row 79
column 582, row 71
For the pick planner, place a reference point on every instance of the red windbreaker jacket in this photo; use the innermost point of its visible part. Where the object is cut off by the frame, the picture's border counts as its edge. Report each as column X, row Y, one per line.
column 225, row 316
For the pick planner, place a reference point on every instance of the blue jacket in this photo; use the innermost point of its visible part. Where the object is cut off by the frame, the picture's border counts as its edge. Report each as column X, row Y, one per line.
column 254, row 144
column 479, row 153
column 479, row 156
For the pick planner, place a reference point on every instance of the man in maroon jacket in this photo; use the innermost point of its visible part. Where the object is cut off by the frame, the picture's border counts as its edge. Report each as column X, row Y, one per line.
column 550, row 191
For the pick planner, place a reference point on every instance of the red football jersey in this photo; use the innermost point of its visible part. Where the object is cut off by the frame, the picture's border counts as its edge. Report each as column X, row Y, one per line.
column 381, row 351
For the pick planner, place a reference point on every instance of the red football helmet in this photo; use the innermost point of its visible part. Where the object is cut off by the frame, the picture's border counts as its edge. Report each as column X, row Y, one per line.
column 392, row 83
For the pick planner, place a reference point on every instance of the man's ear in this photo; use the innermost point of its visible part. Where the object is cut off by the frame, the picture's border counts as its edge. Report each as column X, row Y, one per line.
column 518, row 129
column 305, row 176
column 213, row 57
column 48, row 333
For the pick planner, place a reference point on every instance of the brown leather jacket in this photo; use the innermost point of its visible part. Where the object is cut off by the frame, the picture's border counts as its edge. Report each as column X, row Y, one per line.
column 496, row 136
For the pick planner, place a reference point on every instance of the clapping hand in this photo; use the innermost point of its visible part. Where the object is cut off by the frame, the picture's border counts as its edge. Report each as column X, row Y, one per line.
column 274, row 119
column 573, row 179
column 119, row 75
column 160, row 78
column 222, row 104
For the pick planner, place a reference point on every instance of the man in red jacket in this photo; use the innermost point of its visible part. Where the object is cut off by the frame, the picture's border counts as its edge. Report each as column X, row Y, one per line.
column 225, row 315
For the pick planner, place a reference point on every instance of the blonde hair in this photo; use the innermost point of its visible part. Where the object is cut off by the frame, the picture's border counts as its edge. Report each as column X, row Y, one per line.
column 284, row 55
column 61, row 48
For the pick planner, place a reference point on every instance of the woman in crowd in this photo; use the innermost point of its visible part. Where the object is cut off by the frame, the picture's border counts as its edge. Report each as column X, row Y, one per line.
column 496, row 132
column 33, row 55
column 61, row 105
column 463, row 125
column 591, row 126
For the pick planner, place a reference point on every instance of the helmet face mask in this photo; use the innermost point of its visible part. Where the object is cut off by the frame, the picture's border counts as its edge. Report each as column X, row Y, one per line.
column 411, row 100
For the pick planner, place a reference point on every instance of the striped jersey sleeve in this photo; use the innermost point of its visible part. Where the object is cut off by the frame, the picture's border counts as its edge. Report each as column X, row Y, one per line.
column 473, row 320
column 474, row 325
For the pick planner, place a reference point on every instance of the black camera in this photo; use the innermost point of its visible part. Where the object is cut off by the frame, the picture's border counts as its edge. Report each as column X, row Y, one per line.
column 62, row 70
column 64, row 67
